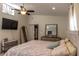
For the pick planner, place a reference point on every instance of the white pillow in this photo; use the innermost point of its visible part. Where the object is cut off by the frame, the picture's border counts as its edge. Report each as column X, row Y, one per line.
column 62, row 42
column 60, row 51
column 72, row 50
column 66, row 40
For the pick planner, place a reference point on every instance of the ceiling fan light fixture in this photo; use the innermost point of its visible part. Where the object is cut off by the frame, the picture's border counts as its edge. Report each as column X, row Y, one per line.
column 23, row 11
column 53, row 8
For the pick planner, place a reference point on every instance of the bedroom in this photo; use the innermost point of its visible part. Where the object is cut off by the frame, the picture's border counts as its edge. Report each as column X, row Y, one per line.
column 44, row 14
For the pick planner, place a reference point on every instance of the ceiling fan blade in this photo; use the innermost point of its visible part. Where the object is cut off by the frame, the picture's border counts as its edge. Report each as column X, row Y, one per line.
column 19, row 13
column 26, row 13
column 30, row 11
column 16, row 9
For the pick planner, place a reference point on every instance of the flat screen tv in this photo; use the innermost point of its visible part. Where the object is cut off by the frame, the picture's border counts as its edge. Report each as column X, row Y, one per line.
column 9, row 24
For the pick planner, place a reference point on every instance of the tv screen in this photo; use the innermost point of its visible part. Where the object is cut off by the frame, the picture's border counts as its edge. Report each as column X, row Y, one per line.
column 9, row 24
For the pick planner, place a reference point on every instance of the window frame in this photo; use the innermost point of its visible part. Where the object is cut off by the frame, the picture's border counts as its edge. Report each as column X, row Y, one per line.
column 72, row 19
column 7, row 9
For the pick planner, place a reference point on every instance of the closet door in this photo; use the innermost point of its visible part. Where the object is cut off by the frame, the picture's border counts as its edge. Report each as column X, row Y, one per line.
column 36, row 31
column 31, row 32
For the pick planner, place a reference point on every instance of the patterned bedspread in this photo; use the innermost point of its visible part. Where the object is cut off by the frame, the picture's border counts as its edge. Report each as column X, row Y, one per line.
column 31, row 48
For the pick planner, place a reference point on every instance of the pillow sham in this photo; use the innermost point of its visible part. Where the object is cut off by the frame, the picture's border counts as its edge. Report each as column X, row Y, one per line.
column 60, row 51
column 66, row 40
column 53, row 45
column 62, row 42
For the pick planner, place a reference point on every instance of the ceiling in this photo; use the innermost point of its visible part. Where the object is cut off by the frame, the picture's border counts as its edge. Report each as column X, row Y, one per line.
column 46, row 8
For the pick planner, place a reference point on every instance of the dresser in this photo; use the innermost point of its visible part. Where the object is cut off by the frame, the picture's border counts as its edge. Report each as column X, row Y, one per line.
column 46, row 38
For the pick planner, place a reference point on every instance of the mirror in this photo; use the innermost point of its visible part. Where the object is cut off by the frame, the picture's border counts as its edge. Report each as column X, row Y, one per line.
column 51, row 30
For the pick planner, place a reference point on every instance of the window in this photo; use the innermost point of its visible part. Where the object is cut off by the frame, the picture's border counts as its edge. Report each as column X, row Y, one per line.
column 73, row 21
column 7, row 9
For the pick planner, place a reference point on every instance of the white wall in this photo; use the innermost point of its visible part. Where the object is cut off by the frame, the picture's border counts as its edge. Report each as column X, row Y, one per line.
column 12, row 34
column 45, row 19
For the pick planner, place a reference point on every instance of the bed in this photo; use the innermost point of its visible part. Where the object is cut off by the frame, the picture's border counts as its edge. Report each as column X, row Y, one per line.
column 36, row 48
column 31, row 48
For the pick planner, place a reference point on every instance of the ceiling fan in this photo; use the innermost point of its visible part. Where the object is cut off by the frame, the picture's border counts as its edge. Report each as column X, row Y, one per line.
column 24, row 11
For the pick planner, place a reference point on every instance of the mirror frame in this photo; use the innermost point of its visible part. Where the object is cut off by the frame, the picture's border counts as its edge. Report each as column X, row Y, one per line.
column 56, row 30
